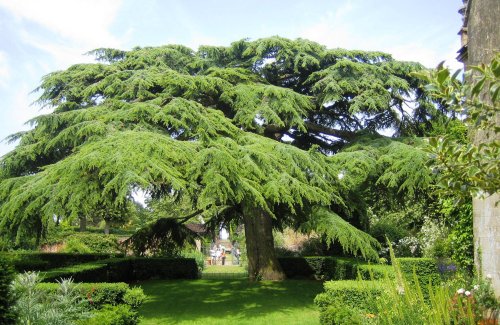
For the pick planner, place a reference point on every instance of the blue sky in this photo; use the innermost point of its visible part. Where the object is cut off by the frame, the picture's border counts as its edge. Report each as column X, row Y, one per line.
column 41, row 36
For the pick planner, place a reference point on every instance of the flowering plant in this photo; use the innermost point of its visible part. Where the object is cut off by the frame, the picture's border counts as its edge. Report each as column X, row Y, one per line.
column 477, row 305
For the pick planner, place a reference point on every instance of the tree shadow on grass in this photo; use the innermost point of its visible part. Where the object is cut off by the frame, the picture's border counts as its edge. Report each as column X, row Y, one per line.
column 191, row 300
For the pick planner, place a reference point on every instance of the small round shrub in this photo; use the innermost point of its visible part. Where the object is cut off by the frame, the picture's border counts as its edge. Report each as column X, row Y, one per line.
column 113, row 315
column 134, row 297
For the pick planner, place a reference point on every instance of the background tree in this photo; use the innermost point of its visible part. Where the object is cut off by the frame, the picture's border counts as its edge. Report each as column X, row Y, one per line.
column 250, row 131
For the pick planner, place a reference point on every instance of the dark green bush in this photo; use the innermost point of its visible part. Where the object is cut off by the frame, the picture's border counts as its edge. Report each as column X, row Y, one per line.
column 87, row 272
column 346, row 269
column 7, row 301
column 38, row 261
column 113, row 315
column 384, row 230
column 319, row 267
column 127, row 270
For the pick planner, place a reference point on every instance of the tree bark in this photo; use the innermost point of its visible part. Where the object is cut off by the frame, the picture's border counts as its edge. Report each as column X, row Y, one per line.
column 262, row 261
column 83, row 223
column 106, row 227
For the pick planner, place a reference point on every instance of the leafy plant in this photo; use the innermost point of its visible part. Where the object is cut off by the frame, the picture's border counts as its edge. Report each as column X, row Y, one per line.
column 471, row 168
column 33, row 306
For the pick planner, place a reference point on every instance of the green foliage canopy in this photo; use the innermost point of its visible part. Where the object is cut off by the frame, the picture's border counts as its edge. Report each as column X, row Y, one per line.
column 254, row 124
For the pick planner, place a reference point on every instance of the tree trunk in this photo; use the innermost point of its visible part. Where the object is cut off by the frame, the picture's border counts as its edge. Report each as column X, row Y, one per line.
column 262, row 261
column 83, row 223
column 106, row 227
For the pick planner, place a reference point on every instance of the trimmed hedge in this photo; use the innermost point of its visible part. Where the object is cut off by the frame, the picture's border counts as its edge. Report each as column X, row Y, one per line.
column 425, row 268
column 319, row 267
column 335, row 268
column 127, row 270
column 351, row 301
column 352, row 293
column 7, row 316
column 98, row 294
column 330, row 268
column 87, row 272
column 37, row 261
column 375, row 271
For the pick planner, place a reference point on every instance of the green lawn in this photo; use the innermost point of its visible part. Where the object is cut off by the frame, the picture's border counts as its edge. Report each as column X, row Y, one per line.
column 230, row 302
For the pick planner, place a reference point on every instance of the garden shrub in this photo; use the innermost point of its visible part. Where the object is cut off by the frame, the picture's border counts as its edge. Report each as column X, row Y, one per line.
column 7, row 301
column 134, row 297
column 113, row 315
column 91, row 243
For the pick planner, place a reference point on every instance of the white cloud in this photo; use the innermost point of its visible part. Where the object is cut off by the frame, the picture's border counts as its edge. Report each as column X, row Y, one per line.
column 4, row 69
column 428, row 56
column 21, row 111
column 334, row 29
column 84, row 21
column 63, row 55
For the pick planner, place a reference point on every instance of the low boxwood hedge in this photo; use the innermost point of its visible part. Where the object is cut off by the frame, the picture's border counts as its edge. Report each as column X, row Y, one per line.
column 330, row 268
column 97, row 294
column 426, row 270
column 127, row 270
column 38, row 261
column 352, row 293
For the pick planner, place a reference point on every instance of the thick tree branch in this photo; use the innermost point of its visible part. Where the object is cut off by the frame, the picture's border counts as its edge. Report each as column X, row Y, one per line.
column 343, row 134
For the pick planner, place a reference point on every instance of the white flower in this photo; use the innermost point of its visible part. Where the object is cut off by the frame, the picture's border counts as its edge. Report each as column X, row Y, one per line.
column 476, row 287
column 488, row 276
column 467, row 293
column 460, row 291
